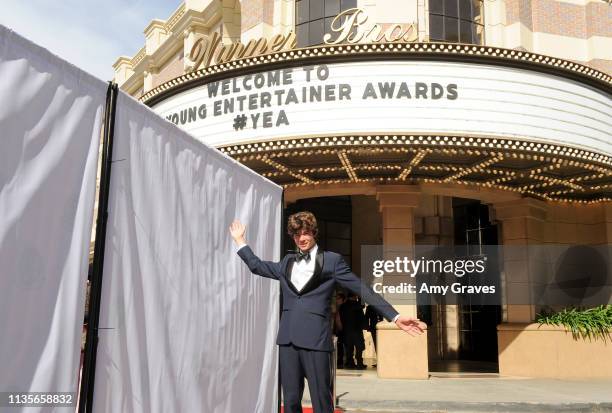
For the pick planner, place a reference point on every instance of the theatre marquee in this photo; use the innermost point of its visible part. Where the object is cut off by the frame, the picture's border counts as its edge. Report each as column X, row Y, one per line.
column 422, row 97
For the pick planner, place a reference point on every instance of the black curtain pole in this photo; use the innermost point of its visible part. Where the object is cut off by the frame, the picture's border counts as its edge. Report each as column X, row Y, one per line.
column 91, row 343
column 280, row 301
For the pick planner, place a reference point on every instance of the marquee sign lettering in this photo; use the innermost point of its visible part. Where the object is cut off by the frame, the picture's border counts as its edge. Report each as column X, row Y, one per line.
column 393, row 97
column 347, row 27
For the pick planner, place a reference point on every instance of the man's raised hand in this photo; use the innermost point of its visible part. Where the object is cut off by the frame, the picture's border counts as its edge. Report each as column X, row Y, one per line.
column 237, row 230
column 410, row 325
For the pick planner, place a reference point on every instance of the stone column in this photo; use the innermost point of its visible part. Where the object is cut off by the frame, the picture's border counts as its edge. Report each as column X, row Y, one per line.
column 434, row 226
column 607, row 207
column 257, row 19
column 148, row 81
column 230, row 22
column 523, row 228
column 607, row 221
column 189, row 38
column 399, row 354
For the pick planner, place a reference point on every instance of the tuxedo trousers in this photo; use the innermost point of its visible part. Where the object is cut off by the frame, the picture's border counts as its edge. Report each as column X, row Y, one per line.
column 297, row 363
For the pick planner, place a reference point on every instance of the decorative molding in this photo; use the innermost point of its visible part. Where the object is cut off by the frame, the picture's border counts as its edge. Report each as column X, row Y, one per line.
column 176, row 16
column 139, row 56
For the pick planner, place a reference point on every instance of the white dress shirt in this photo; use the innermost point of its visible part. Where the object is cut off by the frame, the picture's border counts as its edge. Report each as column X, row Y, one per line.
column 303, row 271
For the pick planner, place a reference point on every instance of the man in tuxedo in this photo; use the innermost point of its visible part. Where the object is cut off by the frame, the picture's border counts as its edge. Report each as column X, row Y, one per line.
column 308, row 278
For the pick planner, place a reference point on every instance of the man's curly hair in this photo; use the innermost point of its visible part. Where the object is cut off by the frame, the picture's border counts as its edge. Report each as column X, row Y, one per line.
column 302, row 221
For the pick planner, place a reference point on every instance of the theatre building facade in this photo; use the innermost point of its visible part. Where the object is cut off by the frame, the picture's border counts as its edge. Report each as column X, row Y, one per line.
column 407, row 123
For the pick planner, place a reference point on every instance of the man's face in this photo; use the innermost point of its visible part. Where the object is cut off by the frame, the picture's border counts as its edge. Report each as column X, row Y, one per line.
column 304, row 240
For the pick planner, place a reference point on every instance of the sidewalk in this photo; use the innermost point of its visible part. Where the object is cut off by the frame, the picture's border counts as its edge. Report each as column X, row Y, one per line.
column 363, row 391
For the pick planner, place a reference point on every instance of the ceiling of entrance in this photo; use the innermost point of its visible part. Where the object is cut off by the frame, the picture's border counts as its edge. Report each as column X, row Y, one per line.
column 541, row 170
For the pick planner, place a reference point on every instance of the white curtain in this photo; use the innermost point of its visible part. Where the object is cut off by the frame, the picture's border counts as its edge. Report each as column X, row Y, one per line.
column 50, row 118
column 184, row 326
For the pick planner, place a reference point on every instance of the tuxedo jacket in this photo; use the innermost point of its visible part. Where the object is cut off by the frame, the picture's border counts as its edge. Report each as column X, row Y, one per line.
column 305, row 319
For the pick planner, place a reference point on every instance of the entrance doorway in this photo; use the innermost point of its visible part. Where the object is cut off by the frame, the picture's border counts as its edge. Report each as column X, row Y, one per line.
column 477, row 323
column 474, row 347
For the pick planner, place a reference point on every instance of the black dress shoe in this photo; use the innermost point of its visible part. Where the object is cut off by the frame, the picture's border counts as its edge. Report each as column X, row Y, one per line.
column 361, row 367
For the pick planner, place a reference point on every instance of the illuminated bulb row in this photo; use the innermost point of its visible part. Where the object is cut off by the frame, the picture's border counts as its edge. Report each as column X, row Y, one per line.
column 524, row 150
column 356, row 167
column 346, row 163
column 541, row 169
column 528, row 187
column 590, row 167
column 501, row 179
column 441, row 168
column 549, row 181
column 272, row 174
column 288, row 171
column 478, row 168
column 587, row 177
column 376, row 167
column 475, row 183
column 601, row 187
column 414, row 162
column 582, row 201
column 498, row 171
column 320, row 169
column 560, row 192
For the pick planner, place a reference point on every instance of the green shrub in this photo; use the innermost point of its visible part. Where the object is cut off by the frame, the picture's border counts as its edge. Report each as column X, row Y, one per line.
column 591, row 323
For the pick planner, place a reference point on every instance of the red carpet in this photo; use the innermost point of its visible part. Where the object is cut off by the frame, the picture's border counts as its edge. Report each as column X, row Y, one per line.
column 309, row 410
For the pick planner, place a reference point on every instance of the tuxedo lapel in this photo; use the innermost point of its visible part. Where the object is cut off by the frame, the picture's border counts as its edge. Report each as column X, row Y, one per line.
column 288, row 274
column 314, row 280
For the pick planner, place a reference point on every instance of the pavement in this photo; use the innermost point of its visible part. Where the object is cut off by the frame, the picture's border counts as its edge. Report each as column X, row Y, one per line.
column 362, row 391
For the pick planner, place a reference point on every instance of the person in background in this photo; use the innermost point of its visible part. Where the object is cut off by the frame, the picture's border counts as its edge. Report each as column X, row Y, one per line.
column 353, row 320
column 340, row 299
column 372, row 318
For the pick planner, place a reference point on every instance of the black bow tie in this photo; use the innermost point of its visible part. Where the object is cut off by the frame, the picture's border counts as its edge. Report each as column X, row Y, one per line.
column 302, row 256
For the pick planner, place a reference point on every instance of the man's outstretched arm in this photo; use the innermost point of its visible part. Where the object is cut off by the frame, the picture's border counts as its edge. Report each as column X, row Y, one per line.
column 266, row 269
column 350, row 281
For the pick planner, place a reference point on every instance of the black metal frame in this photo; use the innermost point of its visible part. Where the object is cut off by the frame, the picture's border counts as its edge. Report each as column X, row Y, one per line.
column 280, row 301
column 91, row 343
column 472, row 22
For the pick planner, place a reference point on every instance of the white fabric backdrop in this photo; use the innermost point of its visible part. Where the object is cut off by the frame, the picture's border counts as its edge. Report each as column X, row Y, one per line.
column 50, row 118
column 184, row 326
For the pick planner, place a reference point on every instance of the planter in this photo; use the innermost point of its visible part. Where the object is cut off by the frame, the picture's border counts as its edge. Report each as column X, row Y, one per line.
column 531, row 350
